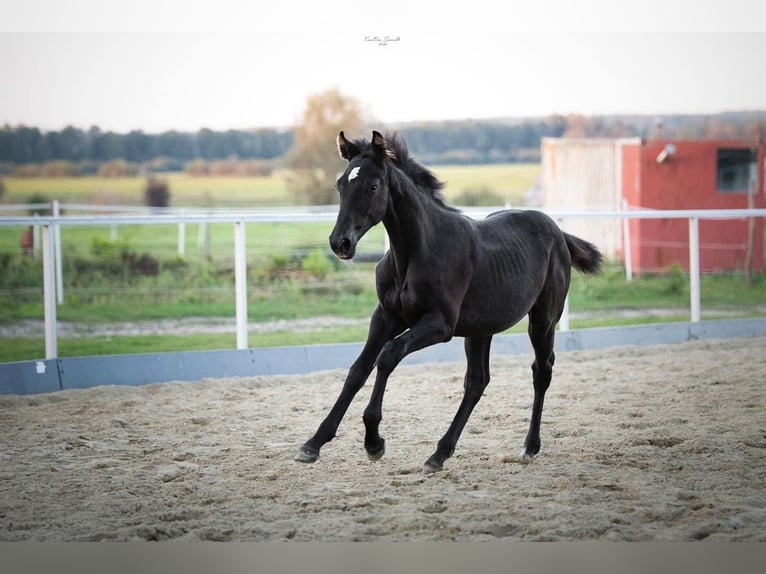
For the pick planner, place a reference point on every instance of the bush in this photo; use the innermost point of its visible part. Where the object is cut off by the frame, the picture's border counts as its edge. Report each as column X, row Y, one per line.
column 27, row 170
column 157, row 192
column 118, row 168
column 234, row 167
column 676, row 280
column 60, row 168
column 39, row 198
column 197, row 167
column 479, row 197
column 162, row 164
column 114, row 259
column 317, row 263
column 104, row 249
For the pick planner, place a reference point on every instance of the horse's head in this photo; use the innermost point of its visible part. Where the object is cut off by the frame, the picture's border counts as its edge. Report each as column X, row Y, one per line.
column 363, row 190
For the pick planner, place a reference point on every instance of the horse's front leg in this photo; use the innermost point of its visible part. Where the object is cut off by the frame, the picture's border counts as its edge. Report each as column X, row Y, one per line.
column 383, row 328
column 431, row 329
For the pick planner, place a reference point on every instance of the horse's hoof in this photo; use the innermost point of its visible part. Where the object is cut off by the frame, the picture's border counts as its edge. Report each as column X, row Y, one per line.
column 431, row 466
column 377, row 453
column 527, row 455
column 306, row 455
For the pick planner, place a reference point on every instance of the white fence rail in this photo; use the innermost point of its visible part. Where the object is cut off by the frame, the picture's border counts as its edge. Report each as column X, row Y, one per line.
column 51, row 248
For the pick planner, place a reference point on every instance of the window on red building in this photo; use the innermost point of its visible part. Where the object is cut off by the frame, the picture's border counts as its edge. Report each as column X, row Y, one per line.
column 735, row 168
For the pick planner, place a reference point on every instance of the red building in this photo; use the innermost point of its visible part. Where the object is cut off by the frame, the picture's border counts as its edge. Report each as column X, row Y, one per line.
column 663, row 174
column 693, row 175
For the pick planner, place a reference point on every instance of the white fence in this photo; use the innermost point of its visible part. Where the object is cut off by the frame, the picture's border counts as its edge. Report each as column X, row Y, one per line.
column 51, row 245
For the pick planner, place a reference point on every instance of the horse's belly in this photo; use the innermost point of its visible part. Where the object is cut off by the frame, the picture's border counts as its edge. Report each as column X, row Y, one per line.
column 472, row 323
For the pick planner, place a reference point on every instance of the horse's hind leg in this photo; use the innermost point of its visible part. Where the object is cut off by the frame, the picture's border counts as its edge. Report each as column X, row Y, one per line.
column 476, row 380
column 541, row 333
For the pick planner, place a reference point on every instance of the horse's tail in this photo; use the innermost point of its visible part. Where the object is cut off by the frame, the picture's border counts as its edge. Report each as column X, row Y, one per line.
column 585, row 256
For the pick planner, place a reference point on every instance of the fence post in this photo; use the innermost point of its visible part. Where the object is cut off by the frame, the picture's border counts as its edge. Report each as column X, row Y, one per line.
column 240, row 283
column 57, row 254
column 564, row 320
column 694, row 268
column 49, row 292
column 181, row 236
column 626, row 245
column 36, row 238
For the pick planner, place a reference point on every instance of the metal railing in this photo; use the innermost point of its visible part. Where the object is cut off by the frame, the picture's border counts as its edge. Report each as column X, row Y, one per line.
column 51, row 243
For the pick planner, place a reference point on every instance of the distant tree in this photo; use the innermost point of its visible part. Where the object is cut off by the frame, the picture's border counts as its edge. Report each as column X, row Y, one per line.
column 2, row 188
column 577, row 126
column 313, row 158
column 754, row 131
column 157, row 192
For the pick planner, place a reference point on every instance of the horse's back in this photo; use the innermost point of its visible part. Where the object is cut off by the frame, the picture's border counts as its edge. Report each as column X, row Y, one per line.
column 530, row 233
column 523, row 220
column 515, row 252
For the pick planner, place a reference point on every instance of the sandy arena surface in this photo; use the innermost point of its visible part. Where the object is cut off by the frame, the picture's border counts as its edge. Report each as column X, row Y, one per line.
column 639, row 443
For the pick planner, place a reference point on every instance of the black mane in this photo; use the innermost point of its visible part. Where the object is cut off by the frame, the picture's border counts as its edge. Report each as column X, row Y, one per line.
column 423, row 178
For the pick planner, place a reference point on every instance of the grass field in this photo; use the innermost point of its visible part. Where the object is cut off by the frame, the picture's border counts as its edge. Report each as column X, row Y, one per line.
column 185, row 191
column 510, row 181
column 605, row 300
column 281, row 284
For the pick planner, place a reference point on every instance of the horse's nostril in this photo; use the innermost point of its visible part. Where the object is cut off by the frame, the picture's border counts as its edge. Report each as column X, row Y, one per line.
column 345, row 245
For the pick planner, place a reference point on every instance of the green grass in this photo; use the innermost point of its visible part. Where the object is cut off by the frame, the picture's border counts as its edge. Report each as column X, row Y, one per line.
column 25, row 349
column 508, row 180
column 349, row 292
column 202, row 283
column 185, row 190
column 610, row 289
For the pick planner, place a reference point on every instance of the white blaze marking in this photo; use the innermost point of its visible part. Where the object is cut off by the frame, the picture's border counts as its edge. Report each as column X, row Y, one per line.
column 353, row 173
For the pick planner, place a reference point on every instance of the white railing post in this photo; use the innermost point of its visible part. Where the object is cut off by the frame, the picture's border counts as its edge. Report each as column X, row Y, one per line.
column 57, row 254
column 49, row 292
column 201, row 232
column 694, row 268
column 626, row 245
column 36, row 238
column 564, row 321
column 181, row 236
column 240, row 283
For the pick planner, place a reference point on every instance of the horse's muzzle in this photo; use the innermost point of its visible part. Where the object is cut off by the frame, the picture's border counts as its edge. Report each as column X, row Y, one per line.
column 344, row 247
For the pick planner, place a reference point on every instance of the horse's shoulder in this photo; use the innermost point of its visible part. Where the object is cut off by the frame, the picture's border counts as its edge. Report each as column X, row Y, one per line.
column 385, row 272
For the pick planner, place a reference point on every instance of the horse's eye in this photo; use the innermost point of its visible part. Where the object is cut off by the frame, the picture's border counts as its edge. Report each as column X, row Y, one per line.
column 373, row 187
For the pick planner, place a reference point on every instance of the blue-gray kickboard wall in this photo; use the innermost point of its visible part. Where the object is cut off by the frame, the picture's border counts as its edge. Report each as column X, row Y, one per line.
column 42, row 376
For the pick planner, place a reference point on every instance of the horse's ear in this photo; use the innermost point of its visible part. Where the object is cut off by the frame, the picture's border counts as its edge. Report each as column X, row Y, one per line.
column 346, row 149
column 380, row 147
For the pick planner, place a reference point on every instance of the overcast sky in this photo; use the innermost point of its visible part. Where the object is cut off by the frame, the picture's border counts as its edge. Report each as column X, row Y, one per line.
column 156, row 65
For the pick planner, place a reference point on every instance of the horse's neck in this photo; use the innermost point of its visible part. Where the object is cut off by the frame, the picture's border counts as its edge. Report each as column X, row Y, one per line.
column 397, row 242
column 407, row 222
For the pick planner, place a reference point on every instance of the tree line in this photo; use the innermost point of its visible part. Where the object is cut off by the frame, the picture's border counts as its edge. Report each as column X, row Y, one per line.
column 453, row 142
column 23, row 144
